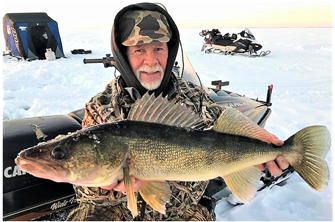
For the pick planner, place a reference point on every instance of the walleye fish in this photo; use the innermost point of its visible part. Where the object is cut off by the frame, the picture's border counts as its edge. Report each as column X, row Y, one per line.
column 158, row 143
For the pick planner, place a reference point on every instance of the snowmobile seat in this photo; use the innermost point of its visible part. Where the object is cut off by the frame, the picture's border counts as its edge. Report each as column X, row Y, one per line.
column 226, row 36
column 24, row 196
column 78, row 115
column 233, row 36
column 215, row 32
column 218, row 39
column 222, row 41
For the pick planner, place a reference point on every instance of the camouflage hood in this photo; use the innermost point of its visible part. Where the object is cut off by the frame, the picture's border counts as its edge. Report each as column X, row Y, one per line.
column 119, row 50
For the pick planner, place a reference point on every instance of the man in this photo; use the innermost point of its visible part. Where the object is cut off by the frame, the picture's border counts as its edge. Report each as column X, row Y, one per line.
column 145, row 43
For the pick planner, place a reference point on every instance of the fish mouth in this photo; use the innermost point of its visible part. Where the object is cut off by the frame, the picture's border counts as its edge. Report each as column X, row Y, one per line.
column 41, row 169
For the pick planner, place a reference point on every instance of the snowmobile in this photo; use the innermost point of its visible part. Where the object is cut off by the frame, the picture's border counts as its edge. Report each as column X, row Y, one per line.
column 26, row 197
column 243, row 43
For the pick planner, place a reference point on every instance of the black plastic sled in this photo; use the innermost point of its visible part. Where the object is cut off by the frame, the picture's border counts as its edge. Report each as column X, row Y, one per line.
column 26, row 197
column 242, row 43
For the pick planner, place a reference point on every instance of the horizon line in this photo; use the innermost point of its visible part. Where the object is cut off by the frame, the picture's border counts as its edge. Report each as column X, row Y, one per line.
column 200, row 27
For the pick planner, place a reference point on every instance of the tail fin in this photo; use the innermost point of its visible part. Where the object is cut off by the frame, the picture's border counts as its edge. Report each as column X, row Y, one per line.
column 313, row 143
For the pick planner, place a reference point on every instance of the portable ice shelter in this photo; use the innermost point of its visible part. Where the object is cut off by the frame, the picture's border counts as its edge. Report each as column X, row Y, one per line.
column 28, row 35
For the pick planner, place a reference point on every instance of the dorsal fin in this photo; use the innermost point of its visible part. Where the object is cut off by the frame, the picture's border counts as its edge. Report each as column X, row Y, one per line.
column 160, row 110
column 232, row 121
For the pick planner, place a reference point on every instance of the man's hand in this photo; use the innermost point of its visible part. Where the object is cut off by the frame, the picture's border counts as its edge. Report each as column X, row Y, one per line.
column 275, row 169
column 282, row 164
column 121, row 187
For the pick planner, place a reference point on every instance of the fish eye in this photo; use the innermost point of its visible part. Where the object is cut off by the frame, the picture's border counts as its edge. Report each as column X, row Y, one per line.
column 58, row 153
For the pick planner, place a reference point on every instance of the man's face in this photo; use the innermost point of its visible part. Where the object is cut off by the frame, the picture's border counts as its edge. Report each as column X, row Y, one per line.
column 148, row 62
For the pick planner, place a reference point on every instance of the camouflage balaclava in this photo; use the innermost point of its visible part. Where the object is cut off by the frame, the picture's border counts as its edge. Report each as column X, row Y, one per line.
column 141, row 24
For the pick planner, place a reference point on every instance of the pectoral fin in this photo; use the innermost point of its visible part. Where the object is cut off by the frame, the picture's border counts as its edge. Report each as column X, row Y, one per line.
column 131, row 199
column 156, row 194
column 243, row 184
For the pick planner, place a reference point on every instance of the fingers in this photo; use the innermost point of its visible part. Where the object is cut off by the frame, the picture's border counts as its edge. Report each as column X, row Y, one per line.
column 261, row 167
column 282, row 162
column 135, row 182
column 121, row 187
column 276, row 141
column 273, row 168
column 276, row 170
column 109, row 187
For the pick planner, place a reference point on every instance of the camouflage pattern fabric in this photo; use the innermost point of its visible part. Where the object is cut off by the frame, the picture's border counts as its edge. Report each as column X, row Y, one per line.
column 99, row 204
column 142, row 27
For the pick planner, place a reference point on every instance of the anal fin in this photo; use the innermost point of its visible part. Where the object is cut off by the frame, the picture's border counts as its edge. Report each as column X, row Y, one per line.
column 156, row 194
column 131, row 198
column 243, row 184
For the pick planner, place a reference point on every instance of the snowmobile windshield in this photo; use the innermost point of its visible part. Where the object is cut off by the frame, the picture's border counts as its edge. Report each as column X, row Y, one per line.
column 185, row 69
column 250, row 33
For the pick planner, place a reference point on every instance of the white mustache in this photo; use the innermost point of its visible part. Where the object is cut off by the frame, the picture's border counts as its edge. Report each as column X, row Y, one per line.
column 150, row 69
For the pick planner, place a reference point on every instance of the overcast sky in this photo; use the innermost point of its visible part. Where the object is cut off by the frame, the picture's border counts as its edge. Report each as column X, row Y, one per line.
column 187, row 13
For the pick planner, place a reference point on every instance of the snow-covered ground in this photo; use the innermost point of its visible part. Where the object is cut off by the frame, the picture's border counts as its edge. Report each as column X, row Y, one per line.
column 299, row 67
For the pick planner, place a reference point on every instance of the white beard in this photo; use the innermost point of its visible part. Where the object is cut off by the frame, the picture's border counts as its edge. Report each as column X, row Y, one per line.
column 154, row 84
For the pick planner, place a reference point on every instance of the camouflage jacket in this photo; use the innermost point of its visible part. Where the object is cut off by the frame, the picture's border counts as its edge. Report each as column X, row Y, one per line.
column 114, row 104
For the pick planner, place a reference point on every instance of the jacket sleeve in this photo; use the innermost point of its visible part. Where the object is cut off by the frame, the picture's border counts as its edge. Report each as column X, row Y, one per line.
column 88, row 120
column 93, row 115
column 104, row 107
